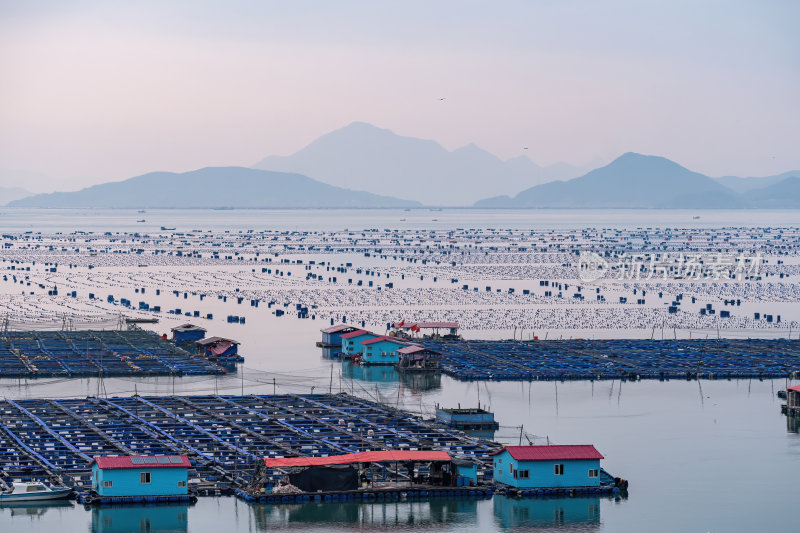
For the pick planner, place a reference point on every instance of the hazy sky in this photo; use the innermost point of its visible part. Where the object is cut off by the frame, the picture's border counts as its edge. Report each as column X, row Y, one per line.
column 108, row 90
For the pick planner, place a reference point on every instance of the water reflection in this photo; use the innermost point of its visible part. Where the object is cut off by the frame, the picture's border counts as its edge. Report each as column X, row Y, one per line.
column 141, row 519
column 421, row 381
column 485, row 434
column 34, row 509
column 415, row 381
column 793, row 424
column 575, row 514
column 375, row 374
column 406, row 516
column 330, row 353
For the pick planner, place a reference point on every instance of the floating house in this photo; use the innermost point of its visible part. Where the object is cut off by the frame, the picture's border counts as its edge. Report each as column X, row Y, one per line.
column 187, row 333
column 137, row 475
column 474, row 418
column 351, row 342
column 793, row 400
column 381, row 350
column 354, row 471
column 554, row 466
column 332, row 336
column 416, row 358
column 434, row 330
column 216, row 347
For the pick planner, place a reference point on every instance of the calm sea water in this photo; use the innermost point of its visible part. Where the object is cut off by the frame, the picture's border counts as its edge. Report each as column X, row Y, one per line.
column 65, row 220
column 700, row 456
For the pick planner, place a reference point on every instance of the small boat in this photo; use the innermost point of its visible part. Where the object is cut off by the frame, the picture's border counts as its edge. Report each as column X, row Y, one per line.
column 696, row 217
column 164, row 228
column 143, row 220
column 34, row 491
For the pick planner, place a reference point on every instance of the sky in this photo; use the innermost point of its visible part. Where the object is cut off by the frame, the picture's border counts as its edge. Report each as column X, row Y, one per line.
column 100, row 91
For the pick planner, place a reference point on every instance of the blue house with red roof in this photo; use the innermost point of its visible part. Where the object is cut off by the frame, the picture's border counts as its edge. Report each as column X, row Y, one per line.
column 351, row 342
column 557, row 466
column 140, row 475
column 381, row 350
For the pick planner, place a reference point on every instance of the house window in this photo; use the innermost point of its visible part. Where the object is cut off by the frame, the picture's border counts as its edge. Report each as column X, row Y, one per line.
column 181, row 484
column 108, row 484
column 593, row 472
column 523, row 474
column 511, row 469
column 558, row 470
column 144, row 478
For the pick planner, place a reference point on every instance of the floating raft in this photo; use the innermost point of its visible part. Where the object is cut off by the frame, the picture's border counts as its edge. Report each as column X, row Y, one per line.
column 29, row 354
column 373, row 495
column 618, row 359
column 224, row 436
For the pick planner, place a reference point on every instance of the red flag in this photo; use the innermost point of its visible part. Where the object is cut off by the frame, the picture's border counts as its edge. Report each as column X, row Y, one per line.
column 401, row 323
column 415, row 328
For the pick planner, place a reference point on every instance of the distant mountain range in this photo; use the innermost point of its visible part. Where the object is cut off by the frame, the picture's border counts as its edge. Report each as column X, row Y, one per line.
column 362, row 156
column 742, row 185
column 214, row 187
column 355, row 165
column 643, row 181
column 9, row 194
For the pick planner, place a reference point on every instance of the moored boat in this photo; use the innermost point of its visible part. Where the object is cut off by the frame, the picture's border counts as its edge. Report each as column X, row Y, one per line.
column 34, row 491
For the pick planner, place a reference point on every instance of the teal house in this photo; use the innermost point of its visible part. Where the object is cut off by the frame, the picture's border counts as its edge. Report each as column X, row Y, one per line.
column 136, row 475
column 528, row 467
column 351, row 342
column 381, row 350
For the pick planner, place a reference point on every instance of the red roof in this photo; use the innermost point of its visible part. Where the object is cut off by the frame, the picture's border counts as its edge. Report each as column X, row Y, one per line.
column 362, row 457
column 796, row 388
column 114, row 462
column 552, row 453
column 384, row 338
column 413, row 349
column 427, row 325
column 355, row 333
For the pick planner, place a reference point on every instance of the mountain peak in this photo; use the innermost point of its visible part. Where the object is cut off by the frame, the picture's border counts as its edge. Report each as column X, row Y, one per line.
column 364, row 126
column 631, row 181
column 365, row 157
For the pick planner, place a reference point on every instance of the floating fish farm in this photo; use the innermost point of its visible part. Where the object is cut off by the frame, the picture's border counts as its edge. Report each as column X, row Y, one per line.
column 618, row 359
column 29, row 354
column 224, row 436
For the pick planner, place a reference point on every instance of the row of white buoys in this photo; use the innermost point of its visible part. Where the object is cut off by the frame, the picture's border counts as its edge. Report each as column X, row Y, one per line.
column 483, row 278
